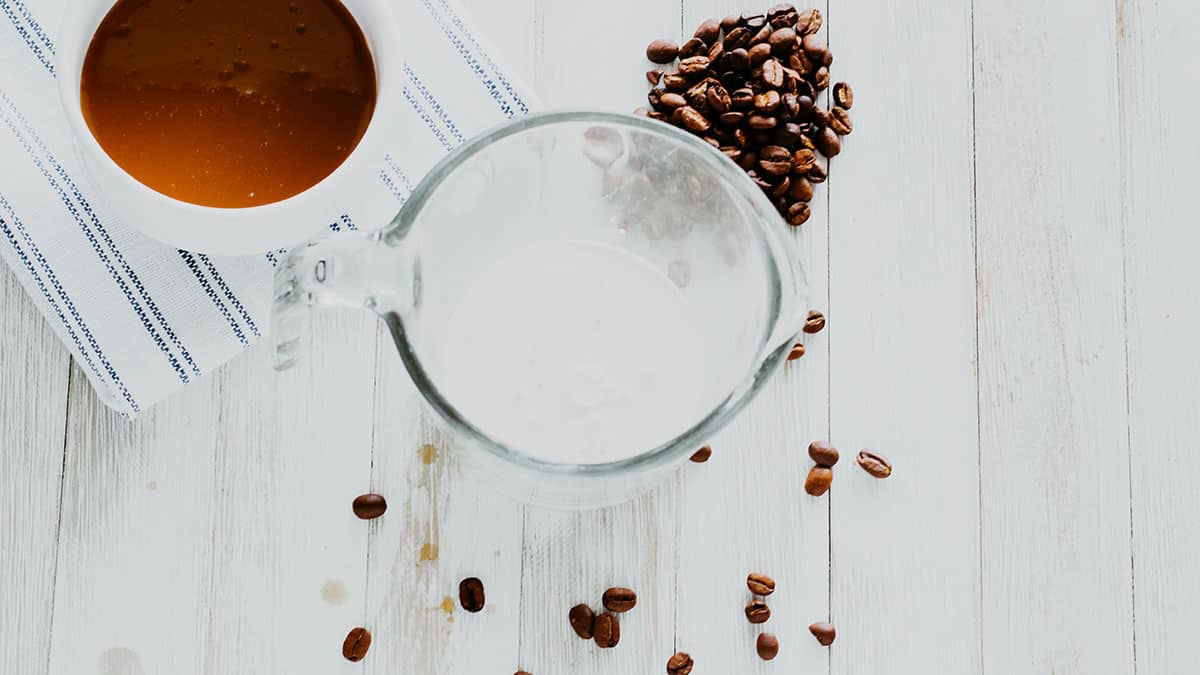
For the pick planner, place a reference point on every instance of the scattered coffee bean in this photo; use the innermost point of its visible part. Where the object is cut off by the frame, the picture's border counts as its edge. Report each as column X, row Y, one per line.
column 680, row 664
column 701, row 456
column 797, row 352
column 662, row 51
column 824, row 632
column 606, row 631
column 839, row 121
column 470, row 594
column 874, row 464
column 760, row 584
column 582, row 618
column 818, row 481
column 757, row 611
column 358, row 641
column 823, row 454
column 767, row 646
column 369, row 506
column 815, row 322
column 619, row 599
column 798, row 214
column 843, row 95
column 654, row 76
column 522, row 672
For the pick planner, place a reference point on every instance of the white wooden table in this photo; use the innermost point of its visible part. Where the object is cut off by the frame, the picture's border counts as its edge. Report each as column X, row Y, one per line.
column 1006, row 254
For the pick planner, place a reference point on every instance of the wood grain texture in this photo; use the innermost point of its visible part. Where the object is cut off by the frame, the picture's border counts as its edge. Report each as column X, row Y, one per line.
column 34, row 369
column 1160, row 145
column 905, row 565
column 1054, row 474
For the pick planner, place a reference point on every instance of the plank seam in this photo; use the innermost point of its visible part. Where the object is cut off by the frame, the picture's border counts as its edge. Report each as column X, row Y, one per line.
column 62, row 480
column 978, row 321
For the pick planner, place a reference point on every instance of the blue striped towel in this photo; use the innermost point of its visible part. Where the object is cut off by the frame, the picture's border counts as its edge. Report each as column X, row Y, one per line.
column 143, row 319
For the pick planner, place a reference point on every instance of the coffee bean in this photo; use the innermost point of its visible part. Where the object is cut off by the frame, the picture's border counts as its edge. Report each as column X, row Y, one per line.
column 772, row 74
column 767, row 101
column 709, row 31
column 618, row 599
column 369, row 506
column 680, row 664
column 824, row 632
column 582, row 618
column 783, row 41
column 800, row 63
column 674, row 82
column 815, row 322
column 767, row 646
column 797, row 352
column 821, row 78
column 732, row 118
column 757, row 611
column 782, row 15
column 522, row 672
column 730, row 22
column 843, row 95
column 470, row 594
column 820, row 117
column 693, row 120
column 763, row 36
column 693, row 47
column 839, row 121
column 741, row 138
column 760, row 584
column 759, row 122
column 801, row 189
column 701, row 456
column 781, row 188
column 739, row 60
column 808, row 22
column 803, row 160
column 748, row 161
column 818, row 481
column 760, row 180
column 672, row 100
column 737, row 38
column 742, row 99
column 718, row 99
column 789, row 106
column 828, row 142
column 606, row 631
column 758, row 54
column 357, row 642
column 818, row 173
column 823, row 454
column 716, row 54
column 874, row 463
column 662, row 51
column 814, row 46
column 775, row 160
column 654, row 76
column 798, row 214
column 655, row 115
column 753, row 21
column 693, row 65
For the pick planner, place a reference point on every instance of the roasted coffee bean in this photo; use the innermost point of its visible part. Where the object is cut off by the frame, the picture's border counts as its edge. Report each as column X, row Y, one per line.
column 742, row 99
column 801, row 189
column 760, row 180
column 693, row 65
column 715, row 142
column 732, row 81
column 662, row 51
column 738, row 38
column 800, row 63
column 757, row 611
column 786, row 134
column 767, row 101
column 759, row 122
column 808, row 22
column 709, row 31
column 823, row 453
column 741, row 138
column 782, row 15
column 718, row 99
column 753, row 21
column 369, row 506
column 716, row 54
column 828, row 142
column 783, row 41
column 767, row 646
column 654, row 98
column 672, row 100
column 781, row 188
column 820, row 79
column 693, row 47
column 654, row 76
column 760, row 584
column 655, row 115
column 522, row 672
column 470, row 594
column 824, row 632
column 357, row 642
column 697, row 96
column 693, row 120
column 815, row 323
column 874, row 463
column 790, row 106
column 803, row 160
column 732, row 118
column 582, row 618
column 797, row 352
column 739, row 60
column 730, row 22
column 748, row 161
column 775, row 160
column 798, row 214
column 674, row 82
column 701, row 456
column 839, row 121
column 619, row 599
column 735, row 153
column 814, row 46
column 820, row 116
column 818, row 173
column 606, row 631
column 758, row 54
column 818, row 481
column 843, row 95
column 680, row 664
column 772, row 74
column 763, row 36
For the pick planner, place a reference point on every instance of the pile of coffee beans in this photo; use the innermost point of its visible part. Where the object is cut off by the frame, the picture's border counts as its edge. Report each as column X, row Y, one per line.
column 748, row 85
column 757, row 612
column 604, row 629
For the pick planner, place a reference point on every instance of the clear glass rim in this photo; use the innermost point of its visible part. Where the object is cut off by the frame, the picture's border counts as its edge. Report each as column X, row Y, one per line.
column 769, row 239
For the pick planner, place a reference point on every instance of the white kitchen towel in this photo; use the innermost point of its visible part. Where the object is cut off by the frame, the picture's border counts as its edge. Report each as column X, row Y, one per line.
column 143, row 319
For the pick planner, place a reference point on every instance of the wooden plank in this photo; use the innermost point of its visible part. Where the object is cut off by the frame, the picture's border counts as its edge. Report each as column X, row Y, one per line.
column 905, row 561
column 1054, row 476
column 34, row 371
column 1160, row 146
column 745, row 510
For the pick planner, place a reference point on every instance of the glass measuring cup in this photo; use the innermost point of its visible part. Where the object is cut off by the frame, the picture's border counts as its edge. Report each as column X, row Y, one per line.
column 627, row 186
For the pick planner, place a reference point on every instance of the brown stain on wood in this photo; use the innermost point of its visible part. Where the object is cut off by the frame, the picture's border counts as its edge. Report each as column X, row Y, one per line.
column 428, row 453
column 429, row 553
column 1121, row 19
column 447, row 606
